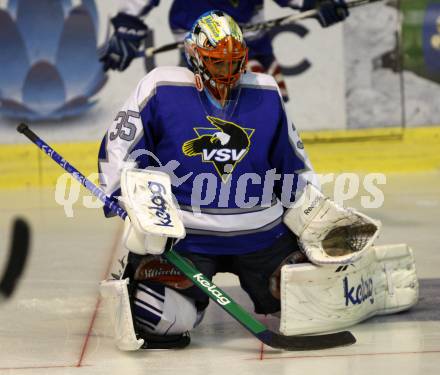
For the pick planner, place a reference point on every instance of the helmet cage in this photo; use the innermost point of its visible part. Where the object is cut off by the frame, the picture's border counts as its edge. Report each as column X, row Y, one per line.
column 225, row 63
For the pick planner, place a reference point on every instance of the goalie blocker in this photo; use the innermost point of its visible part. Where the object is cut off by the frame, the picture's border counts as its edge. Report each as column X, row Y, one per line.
column 152, row 213
column 320, row 299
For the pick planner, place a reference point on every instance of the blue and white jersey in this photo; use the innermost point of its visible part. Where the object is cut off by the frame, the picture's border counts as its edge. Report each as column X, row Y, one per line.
column 224, row 162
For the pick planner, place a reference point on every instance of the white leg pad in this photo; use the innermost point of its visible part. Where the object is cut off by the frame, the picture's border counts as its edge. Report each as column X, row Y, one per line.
column 115, row 293
column 319, row 299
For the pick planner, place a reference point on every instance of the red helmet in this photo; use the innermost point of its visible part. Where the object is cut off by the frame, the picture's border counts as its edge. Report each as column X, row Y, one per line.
column 217, row 53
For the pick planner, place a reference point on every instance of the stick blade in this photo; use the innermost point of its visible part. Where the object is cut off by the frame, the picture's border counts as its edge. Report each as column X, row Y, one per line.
column 301, row 343
column 18, row 253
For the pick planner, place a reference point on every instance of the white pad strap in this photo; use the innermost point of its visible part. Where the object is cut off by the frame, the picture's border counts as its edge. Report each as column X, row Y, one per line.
column 115, row 292
column 153, row 215
column 328, row 233
column 319, row 299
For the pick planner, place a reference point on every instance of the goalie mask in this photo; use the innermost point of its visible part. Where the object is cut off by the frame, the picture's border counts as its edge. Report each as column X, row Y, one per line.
column 217, row 53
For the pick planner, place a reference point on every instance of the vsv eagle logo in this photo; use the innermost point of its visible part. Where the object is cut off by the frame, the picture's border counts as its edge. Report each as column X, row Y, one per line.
column 225, row 145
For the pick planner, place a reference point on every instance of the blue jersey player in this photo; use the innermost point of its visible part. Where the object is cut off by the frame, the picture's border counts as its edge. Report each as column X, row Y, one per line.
column 130, row 30
column 248, row 201
column 224, row 135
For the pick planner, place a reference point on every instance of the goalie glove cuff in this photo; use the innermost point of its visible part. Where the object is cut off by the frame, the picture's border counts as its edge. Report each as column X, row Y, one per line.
column 298, row 217
column 142, row 243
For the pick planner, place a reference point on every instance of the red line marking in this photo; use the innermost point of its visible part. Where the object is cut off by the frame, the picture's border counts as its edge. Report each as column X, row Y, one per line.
column 262, row 344
column 98, row 301
column 89, row 331
column 348, row 355
column 261, row 351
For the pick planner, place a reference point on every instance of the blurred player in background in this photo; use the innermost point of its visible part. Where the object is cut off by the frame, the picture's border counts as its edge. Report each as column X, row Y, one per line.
column 130, row 30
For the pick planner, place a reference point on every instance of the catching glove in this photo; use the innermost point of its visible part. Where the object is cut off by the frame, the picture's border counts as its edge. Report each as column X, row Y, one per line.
column 328, row 233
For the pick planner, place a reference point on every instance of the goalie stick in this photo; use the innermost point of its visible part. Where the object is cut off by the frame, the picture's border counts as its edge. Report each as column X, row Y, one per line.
column 18, row 252
column 265, row 25
column 255, row 327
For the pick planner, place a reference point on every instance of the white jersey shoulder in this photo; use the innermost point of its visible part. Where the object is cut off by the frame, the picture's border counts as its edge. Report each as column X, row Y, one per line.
column 160, row 76
column 262, row 80
column 178, row 74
